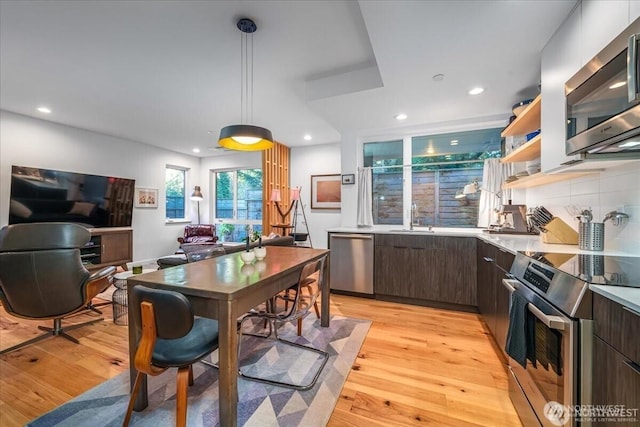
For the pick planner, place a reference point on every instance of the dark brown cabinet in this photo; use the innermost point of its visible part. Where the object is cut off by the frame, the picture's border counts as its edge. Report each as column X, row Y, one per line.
column 486, row 283
column 108, row 247
column 425, row 268
column 493, row 297
column 616, row 356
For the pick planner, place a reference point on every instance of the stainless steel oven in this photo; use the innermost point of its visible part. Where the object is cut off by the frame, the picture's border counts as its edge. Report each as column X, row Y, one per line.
column 552, row 289
column 557, row 375
column 549, row 377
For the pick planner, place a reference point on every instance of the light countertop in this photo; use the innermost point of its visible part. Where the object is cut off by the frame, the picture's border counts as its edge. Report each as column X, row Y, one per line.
column 628, row 297
column 510, row 242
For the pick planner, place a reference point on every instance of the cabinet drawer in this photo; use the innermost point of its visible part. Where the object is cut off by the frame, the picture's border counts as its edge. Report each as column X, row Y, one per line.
column 616, row 379
column 504, row 259
column 617, row 326
column 404, row 241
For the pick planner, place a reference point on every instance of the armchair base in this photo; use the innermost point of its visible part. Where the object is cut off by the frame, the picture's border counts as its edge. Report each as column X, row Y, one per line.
column 56, row 330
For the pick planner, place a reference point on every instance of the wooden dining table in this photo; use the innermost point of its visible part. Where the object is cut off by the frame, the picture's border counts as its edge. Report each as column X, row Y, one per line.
column 224, row 288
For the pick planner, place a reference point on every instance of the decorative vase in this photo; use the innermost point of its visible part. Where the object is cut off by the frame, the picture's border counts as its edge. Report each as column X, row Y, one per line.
column 247, row 257
column 261, row 252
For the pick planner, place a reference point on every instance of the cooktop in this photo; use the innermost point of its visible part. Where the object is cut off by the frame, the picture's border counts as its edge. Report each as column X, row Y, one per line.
column 594, row 268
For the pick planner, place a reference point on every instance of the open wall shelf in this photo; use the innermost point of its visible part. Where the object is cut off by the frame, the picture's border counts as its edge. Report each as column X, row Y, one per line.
column 526, row 152
column 542, row 179
column 527, row 122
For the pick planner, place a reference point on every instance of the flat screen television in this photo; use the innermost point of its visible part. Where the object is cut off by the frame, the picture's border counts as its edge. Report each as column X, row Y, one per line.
column 46, row 195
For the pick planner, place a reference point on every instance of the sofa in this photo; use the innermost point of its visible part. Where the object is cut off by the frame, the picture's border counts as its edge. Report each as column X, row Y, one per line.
column 179, row 259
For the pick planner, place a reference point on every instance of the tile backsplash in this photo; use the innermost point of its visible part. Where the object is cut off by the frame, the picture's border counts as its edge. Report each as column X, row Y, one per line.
column 612, row 189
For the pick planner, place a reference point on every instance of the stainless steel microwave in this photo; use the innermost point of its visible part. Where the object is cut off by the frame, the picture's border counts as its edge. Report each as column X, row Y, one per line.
column 603, row 101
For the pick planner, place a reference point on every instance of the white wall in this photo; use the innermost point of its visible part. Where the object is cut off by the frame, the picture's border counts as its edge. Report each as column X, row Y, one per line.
column 316, row 160
column 612, row 189
column 31, row 142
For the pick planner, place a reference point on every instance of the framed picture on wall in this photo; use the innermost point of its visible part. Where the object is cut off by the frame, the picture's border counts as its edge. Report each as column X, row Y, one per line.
column 325, row 191
column 145, row 197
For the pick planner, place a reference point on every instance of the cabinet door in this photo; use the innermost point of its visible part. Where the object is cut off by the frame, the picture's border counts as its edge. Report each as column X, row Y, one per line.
column 616, row 380
column 455, row 265
column 503, row 263
column 617, row 326
column 560, row 60
column 391, row 276
column 602, row 21
column 116, row 247
column 486, row 283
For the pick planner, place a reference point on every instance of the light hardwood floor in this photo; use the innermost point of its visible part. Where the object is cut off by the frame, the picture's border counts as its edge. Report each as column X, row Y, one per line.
column 417, row 366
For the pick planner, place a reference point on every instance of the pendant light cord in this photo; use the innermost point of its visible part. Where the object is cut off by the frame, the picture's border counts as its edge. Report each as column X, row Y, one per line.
column 246, row 78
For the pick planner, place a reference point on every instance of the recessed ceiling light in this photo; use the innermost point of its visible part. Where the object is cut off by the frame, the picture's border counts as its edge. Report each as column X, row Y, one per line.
column 438, row 77
column 400, row 116
column 44, row 110
column 209, row 132
column 617, row 85
column 196, row 150
column 454, row 142
column 476, row 91
column 307, row 137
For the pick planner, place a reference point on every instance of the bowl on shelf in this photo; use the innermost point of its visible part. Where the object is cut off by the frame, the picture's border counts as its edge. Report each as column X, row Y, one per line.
column 520, row 106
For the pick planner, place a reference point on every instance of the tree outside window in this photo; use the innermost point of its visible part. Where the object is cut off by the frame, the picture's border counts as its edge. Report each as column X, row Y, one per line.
column 238, row 204
column 175, row 193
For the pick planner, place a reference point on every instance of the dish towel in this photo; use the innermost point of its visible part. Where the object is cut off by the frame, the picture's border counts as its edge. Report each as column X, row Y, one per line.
column 521, row 334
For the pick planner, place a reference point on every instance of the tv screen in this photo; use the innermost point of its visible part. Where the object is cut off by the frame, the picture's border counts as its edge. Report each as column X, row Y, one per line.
column 46, row 195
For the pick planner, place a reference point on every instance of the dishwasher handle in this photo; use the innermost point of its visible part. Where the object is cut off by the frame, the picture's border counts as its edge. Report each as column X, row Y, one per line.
column 352, row 236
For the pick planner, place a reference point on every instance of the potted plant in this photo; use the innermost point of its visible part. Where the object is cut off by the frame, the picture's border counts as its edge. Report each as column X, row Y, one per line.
column 227, row 230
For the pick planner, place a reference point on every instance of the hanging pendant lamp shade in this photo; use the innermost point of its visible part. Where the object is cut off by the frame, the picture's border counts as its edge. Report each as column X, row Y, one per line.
column 245, row 137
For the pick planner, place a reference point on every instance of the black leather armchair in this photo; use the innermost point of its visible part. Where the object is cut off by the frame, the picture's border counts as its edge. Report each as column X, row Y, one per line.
column 42, row 276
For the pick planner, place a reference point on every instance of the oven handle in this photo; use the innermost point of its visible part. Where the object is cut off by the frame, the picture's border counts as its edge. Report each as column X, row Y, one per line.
column 508, row 283
column 552, row 322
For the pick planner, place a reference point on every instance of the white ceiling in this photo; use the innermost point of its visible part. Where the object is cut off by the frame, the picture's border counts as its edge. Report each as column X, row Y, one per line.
column 167, row 72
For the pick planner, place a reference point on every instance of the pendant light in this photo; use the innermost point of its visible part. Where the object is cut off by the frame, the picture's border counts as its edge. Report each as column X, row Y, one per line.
column 245, row 137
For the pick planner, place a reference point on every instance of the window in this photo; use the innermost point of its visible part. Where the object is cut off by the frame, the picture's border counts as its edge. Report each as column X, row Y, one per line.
column 175, row 192
column 439, row 166
column 238, row 204
column 387, row 182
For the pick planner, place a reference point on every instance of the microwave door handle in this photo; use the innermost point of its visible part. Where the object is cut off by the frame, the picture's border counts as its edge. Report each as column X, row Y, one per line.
column 552, row 322
column 632, row 68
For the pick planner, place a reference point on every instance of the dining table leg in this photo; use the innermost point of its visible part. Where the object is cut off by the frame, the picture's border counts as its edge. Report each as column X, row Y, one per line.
column 228, row 363
column 325, row 292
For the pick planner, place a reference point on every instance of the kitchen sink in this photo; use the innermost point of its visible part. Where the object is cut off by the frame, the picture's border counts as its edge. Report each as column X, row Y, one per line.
column 414, row 231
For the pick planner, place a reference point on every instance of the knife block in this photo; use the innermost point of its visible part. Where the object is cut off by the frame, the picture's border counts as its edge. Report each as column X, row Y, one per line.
column 559, row 231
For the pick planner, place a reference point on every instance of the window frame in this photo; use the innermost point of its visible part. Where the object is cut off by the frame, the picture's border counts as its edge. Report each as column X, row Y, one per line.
column 408, row 165
column 214, row 191
column 185, row 171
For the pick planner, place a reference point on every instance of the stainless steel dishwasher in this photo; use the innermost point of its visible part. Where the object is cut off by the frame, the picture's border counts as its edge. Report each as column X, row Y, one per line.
column 351, row 262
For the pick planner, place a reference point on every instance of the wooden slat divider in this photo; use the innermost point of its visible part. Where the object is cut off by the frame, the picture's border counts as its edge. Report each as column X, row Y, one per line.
column 275, row 167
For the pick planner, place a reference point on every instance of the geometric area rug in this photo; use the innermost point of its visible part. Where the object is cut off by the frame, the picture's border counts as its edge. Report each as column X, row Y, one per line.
column 259, row 404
